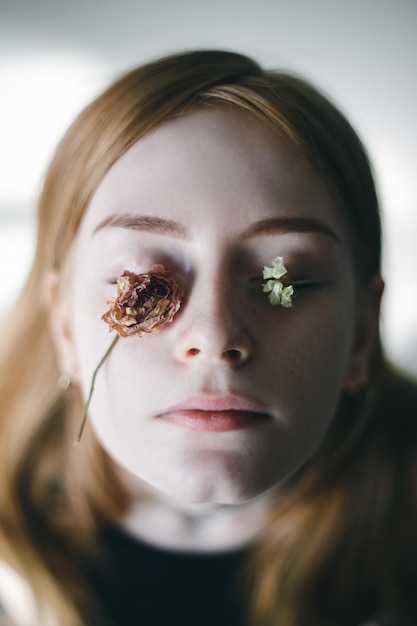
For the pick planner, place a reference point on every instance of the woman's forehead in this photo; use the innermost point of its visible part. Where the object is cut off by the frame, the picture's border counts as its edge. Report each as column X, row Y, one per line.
column 213, row 172
column 212, row 156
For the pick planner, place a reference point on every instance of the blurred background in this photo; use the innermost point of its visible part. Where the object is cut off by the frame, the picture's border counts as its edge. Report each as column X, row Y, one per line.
column 56, row 55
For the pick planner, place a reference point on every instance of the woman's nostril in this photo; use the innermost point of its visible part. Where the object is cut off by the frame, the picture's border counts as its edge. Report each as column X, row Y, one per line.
column 220, row 341
column 234, row 355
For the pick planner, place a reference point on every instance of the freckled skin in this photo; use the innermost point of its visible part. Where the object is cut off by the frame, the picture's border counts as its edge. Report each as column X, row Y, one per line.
column 215, row 172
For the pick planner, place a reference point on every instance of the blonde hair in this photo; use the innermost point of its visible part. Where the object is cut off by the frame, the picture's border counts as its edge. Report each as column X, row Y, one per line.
column 353, row 499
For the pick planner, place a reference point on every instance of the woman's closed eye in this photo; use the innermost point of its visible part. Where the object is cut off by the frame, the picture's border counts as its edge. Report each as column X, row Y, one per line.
column 306, row 283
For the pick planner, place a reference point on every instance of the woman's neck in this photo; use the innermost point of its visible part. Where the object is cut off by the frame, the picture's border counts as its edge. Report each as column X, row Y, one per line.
column 196, row 527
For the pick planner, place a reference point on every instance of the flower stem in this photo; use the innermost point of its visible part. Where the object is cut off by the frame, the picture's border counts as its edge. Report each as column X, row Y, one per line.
column 93, row 380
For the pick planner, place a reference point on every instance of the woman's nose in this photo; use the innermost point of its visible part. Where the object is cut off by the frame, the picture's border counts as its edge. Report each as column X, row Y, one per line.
column 213, row 328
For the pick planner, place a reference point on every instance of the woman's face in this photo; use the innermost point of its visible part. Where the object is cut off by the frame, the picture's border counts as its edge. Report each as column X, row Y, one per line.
column 235, row 394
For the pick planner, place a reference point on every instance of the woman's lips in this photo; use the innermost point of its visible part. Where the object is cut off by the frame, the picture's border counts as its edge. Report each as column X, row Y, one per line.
column 215, row 414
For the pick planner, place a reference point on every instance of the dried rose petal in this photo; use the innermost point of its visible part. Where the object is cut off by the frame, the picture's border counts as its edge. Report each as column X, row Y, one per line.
column 144, row 303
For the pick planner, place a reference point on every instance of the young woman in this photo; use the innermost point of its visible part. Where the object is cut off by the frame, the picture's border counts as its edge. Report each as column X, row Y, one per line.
column 249, row 456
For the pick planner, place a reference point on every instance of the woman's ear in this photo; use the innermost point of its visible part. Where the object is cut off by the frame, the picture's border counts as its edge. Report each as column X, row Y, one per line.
column 59, row 316
column 366, row 334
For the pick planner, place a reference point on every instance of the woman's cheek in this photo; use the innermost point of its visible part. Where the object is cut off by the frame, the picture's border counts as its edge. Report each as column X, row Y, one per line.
column 310, row 343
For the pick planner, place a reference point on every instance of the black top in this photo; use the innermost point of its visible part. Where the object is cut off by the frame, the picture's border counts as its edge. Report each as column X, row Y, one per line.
column 142, row 585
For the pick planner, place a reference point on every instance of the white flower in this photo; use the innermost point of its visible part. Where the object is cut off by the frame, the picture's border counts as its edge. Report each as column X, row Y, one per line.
column 278, row 292
column 277, row 270
column 286, row 296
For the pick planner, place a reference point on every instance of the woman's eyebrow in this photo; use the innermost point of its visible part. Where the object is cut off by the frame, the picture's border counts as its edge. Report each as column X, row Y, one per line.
column 289, row 224
column 144, row 223
column 266, row 226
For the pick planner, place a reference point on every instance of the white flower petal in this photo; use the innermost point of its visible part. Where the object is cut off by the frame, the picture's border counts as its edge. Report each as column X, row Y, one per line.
column 268, row 273
column 286, row 296
column 268, row 286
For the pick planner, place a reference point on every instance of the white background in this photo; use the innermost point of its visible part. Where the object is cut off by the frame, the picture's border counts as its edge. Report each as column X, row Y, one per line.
column 55, row 56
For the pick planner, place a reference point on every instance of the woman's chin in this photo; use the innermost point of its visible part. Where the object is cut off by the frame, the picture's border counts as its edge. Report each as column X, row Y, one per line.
column 208, row 487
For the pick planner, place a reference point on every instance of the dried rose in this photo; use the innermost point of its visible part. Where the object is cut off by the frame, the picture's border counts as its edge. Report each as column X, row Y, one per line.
column 144, row 303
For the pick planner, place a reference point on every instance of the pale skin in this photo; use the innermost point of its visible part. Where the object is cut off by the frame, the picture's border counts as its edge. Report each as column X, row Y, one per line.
column 215, row 196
